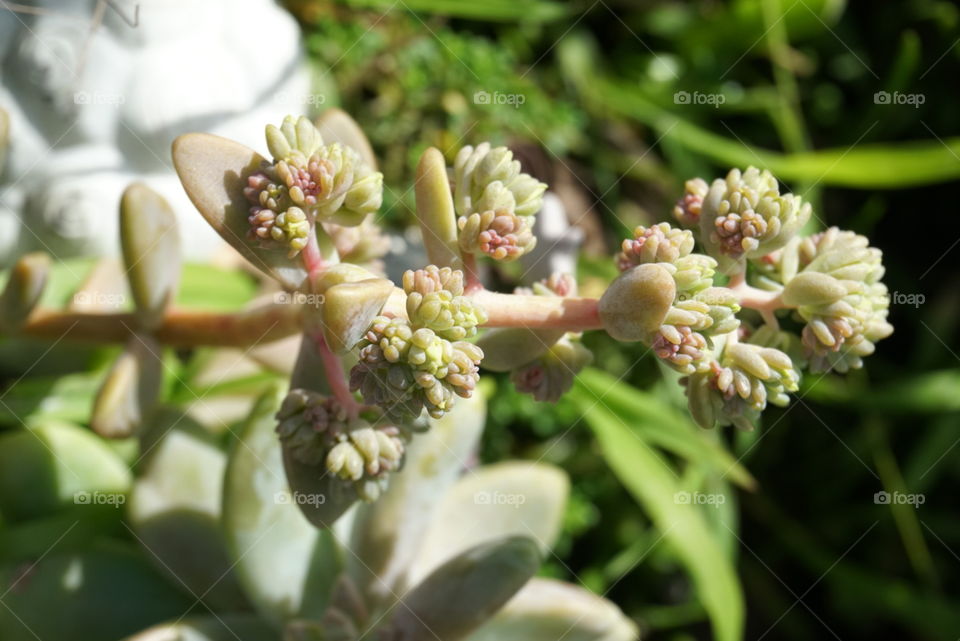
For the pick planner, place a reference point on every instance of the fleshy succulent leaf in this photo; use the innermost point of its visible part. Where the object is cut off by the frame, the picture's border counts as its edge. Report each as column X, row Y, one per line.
column 285, row 564
column 546, row 610
column 435, row 211
column 175, row 510
column 130, row 389
column 464, row 592
column 336, row 125
column 213, row 171
column 151, row 251
column 494, row 501
column 388, row 533
column 23, row 290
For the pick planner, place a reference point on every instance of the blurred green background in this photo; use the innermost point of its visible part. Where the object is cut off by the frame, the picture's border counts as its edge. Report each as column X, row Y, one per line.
column 615, row 104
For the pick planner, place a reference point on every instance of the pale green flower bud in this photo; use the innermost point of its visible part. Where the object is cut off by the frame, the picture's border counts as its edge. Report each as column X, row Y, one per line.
column 736, row 389
column 500, row 234
column 289, row 229
column 838, row 294
column 434, row 301
column 687, row 209
column 475, row 168
column 550, row 376
column 745, row 216
column 316, row 430
column 495, row 202
column 692, row 273
column 681, row 348
column 404, row 371
column 325, row 183
column 295, row 140
column 657, row 244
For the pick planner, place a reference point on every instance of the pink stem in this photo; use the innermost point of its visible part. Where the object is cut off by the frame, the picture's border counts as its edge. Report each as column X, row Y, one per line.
column 312, row 258
column 473, row 283
column 333, row 370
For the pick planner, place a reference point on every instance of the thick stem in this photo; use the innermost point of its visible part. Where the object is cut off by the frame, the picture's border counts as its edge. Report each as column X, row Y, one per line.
column 180, row 328
column 765, row 302
column 512, row 310
column 270, row 322
column 312, row 258
column 472, row 276
column 333, row 370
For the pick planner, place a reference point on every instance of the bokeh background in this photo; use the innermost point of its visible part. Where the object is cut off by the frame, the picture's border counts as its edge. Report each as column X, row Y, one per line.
column 853, row 105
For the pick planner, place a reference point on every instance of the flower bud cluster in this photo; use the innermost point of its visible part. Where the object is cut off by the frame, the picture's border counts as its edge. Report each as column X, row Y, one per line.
column 699, row 309
column 306, row 182
column 687, row 209
column 495, row 202
column 736, row 388
column 745, row 216
column 435, row 300
column 406, row 366
column 838, row 294
column 316, row 429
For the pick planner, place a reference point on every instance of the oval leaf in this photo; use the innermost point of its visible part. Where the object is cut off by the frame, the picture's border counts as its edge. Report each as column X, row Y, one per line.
column 547, row 610
column 388, row 533
column 466, row 591
column 130, row 390
column 286, row 565
column 494, row 501
column 507, row 348
column 213, row 171
column 175, row 511
column 24, row 288
column 56, row 465
column 336, row 125
column 98, row 594
column 151, row 251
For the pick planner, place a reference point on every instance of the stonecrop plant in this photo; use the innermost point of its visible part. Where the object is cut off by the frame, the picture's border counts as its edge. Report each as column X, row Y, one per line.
column 732, row 295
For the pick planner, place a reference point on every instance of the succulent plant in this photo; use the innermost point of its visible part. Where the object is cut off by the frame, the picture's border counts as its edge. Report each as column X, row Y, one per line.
column 384, row 369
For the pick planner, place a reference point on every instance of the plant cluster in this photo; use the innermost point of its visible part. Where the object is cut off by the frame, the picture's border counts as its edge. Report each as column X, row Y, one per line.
column 381, row 363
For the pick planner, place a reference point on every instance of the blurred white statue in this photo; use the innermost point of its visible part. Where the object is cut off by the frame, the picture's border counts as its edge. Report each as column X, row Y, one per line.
column 96, row 91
